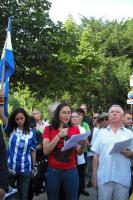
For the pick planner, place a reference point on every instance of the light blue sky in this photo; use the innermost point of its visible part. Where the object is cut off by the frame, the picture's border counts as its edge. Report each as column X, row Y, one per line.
column 107, row 9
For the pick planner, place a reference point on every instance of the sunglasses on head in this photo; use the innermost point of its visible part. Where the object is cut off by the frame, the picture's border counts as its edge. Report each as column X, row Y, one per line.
column 104, row 119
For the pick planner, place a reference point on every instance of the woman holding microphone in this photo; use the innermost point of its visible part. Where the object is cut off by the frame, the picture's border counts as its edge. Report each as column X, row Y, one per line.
column 62, row 169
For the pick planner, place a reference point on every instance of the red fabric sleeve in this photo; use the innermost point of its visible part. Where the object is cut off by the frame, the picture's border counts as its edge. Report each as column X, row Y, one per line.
column 46, row 132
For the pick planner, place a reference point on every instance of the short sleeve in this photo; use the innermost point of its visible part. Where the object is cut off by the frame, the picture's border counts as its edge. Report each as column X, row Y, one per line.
column 96, row 145
column 46, row 132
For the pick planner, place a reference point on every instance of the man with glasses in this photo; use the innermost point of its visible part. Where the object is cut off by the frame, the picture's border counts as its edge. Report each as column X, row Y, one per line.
column 103, row 122
column 103, row 118
column 111, row 172
column 95, row 117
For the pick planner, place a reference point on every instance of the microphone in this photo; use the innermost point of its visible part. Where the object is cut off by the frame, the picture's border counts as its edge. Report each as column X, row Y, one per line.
column 65, row 125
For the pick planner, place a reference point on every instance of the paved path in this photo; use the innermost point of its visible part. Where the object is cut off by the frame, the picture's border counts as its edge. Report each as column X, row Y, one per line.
column 92, row 196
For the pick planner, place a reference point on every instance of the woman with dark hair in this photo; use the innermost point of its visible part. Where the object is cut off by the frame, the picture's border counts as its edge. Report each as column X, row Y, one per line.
column 21, row 150
column 62, row 170
column 22, row 121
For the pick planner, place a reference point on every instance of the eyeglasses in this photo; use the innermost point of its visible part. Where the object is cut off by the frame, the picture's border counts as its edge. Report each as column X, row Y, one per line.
column 74, row 116
column 104, row 119
column 95, row 117
column 81, row 114
column 36, row 113
column 116, row 105
column 84, row 108
column 65, row 113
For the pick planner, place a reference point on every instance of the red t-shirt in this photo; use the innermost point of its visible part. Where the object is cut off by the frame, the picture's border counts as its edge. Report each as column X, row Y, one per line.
column 58, row 159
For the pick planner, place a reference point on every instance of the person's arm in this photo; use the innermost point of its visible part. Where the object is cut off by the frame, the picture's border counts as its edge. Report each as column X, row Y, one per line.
column 48, row 146
column 2, row 116
column 81, row 145
column 95, row 163
column 3, row 167
column 33, row 157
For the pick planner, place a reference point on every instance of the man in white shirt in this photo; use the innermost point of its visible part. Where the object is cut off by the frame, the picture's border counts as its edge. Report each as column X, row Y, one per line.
column 111, row 172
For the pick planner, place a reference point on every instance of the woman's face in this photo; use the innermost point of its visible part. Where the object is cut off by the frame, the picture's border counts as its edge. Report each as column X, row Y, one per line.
column 37, row 115
column 65, row 115
column 74, row 118
column 20, row 119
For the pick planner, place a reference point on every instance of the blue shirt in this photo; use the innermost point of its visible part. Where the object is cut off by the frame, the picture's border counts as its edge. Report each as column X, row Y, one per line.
column 19, row 150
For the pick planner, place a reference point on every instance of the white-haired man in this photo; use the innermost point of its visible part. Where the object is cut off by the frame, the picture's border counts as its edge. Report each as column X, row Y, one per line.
column 111, row 172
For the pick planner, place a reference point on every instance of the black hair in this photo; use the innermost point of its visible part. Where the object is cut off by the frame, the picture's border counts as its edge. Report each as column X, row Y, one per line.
column 55, row 123
column 80, row 111
column 128, row 112
column 12, row 123
column 74, row 110
column 32, row 122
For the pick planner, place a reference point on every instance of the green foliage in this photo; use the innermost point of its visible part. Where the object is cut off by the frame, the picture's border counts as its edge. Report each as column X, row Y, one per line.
column 24, row 98
column 90, row 62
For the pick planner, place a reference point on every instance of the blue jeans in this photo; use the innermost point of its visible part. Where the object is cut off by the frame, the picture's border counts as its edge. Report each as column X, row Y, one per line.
column 23, row 180
column 67, row 178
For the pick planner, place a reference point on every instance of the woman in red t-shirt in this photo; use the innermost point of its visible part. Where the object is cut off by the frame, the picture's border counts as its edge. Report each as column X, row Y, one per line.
column 62, row 169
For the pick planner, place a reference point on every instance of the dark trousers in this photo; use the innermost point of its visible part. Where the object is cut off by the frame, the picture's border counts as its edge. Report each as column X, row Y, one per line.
column 81, row 172
column 23, row 180
column 131, row 186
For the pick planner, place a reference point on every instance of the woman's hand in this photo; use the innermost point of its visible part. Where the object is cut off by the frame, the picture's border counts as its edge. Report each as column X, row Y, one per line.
column 2, row 193
column 63, row 132
column 34, row 171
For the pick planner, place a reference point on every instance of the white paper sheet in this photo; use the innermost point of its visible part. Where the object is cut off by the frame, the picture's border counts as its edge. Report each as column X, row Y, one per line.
column 74, row 140
column 119, row 146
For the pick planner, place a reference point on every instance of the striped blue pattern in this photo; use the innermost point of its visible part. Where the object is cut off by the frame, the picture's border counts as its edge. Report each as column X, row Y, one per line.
column 19, row 147
column 7, row 60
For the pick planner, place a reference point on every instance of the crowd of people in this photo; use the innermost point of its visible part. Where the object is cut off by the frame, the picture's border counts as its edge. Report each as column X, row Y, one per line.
column 35, row 161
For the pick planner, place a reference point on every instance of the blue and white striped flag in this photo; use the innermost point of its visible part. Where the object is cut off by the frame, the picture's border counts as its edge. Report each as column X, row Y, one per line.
column 7, row 63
